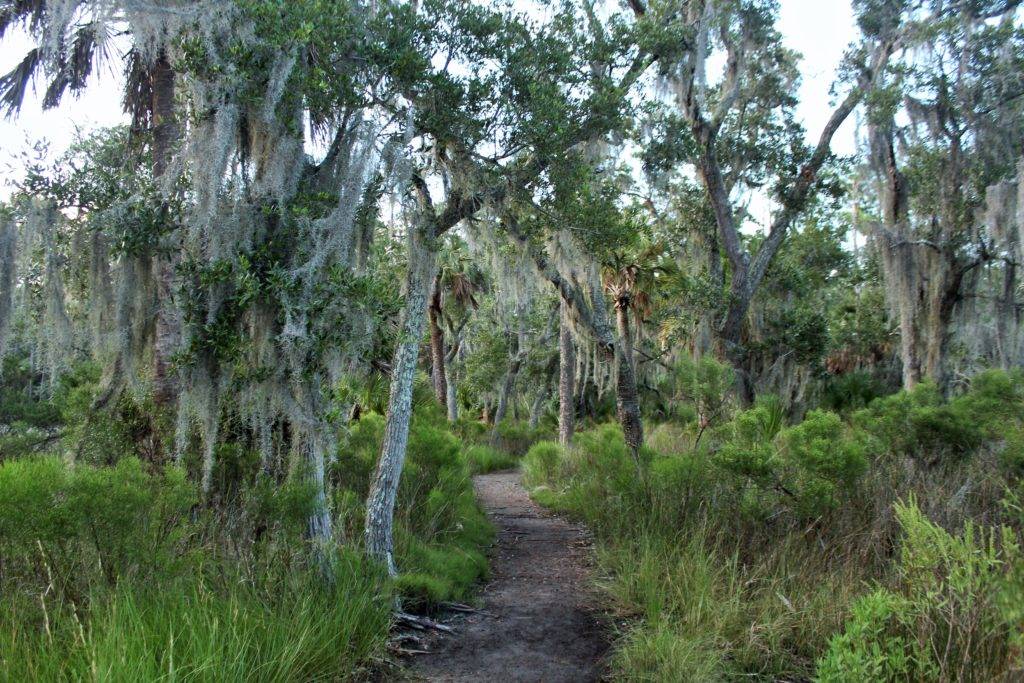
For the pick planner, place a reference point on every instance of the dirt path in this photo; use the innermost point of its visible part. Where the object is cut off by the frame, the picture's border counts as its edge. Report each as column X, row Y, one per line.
column 535, row 624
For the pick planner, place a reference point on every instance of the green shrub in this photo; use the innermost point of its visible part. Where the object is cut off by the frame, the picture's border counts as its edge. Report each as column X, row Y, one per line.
column 822, row 462
column 516, row 438
column 482, row 459
column 995, row 399
column 358, row 453
column 670, row 438
column 679, row 483
column 920, row 425
column 946, row 619
column 706, row 385
column 809, row 467
column 851, row 391
column 121, row 517
column 541, row 463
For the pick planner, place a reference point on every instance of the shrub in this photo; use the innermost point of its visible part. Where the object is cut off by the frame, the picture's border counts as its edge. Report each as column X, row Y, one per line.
column 851, row 391
column 122, row 518
column 994, row 399
column 918, row 424
column 809, row 467
column 822, row 461
column 541, row 463
column 516, row 438
column 669, row 438
column 706, row 385
column 482, row 459
column 946, row 619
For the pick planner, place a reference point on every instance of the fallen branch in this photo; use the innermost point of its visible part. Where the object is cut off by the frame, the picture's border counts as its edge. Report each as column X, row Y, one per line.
column 458, row 607
column 421, row 623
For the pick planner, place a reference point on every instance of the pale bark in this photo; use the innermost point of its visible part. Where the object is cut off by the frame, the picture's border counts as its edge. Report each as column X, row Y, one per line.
column 438, row 375
column 167, row 328
column 319, row 525
column 535, row 407
column 514, row 365
column 452, row 399
column 566, row 379
column 380, row 504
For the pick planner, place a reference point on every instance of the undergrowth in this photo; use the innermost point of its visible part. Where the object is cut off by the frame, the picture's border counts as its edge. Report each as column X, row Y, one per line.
column 113, row 569
column 879, row 546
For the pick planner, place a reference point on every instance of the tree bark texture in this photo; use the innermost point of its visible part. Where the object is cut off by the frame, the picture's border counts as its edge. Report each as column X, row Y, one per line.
column 438, row 375
column 167, row 328
column 566, row 379
column 380, row 504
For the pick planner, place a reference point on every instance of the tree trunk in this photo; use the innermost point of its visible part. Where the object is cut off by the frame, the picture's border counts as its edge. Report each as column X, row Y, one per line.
column 626, row 395
column 319, row 526
column 452, row 399
column 566, row 379
column 535, row 407
column 380, row 504
column 506, row 390
column 438, row 375
column 167, row 328
column 1007, row 321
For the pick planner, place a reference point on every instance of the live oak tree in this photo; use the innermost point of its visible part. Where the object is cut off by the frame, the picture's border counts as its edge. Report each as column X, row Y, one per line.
column 737, row 131
column 944, row 130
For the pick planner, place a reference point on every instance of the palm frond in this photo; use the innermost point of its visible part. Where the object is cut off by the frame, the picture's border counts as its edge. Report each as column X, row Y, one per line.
column 14, row 11
column 75, row 67
column 138, row 93
column 14, row 84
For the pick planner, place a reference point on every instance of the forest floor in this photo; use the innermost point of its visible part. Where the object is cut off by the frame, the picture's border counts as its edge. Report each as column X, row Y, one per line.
column 537, row 621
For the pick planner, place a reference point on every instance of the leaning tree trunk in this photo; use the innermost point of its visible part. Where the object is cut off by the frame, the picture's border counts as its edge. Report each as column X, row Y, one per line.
column 438, row 376
column 566, row 379
column 380, row 504
column 167, row 330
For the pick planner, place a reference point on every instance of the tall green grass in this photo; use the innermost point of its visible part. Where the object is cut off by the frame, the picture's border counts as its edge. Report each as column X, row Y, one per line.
column 284, row 628
column 116, row 572
column 745, row 555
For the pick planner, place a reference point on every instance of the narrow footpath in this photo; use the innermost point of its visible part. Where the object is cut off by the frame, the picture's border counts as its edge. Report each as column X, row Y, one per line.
column 536, row 623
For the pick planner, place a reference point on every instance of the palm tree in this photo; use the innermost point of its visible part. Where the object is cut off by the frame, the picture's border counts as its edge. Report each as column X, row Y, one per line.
column 630, row 276
column 455, row 287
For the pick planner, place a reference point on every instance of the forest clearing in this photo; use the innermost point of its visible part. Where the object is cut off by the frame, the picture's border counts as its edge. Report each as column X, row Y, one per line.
column 512, row 340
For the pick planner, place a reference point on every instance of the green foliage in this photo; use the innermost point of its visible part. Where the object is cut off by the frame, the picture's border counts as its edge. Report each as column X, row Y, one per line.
column 706, row 385
column 946, row 619
column 822, row 461
column 516, row 438
column 122, row 518
column 132, row 562
column 482, row 459
column 809, row 467
column 541, row 463
column 282, row 626
column 851, row 391
column 918, row 424
column 675, row 559
column 440, row 529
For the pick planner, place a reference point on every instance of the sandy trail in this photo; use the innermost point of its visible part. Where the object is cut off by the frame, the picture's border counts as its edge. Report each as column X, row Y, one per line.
column 536, row 623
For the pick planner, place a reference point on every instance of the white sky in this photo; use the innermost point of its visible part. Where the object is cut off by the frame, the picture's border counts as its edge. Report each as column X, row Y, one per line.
column 819, row 29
